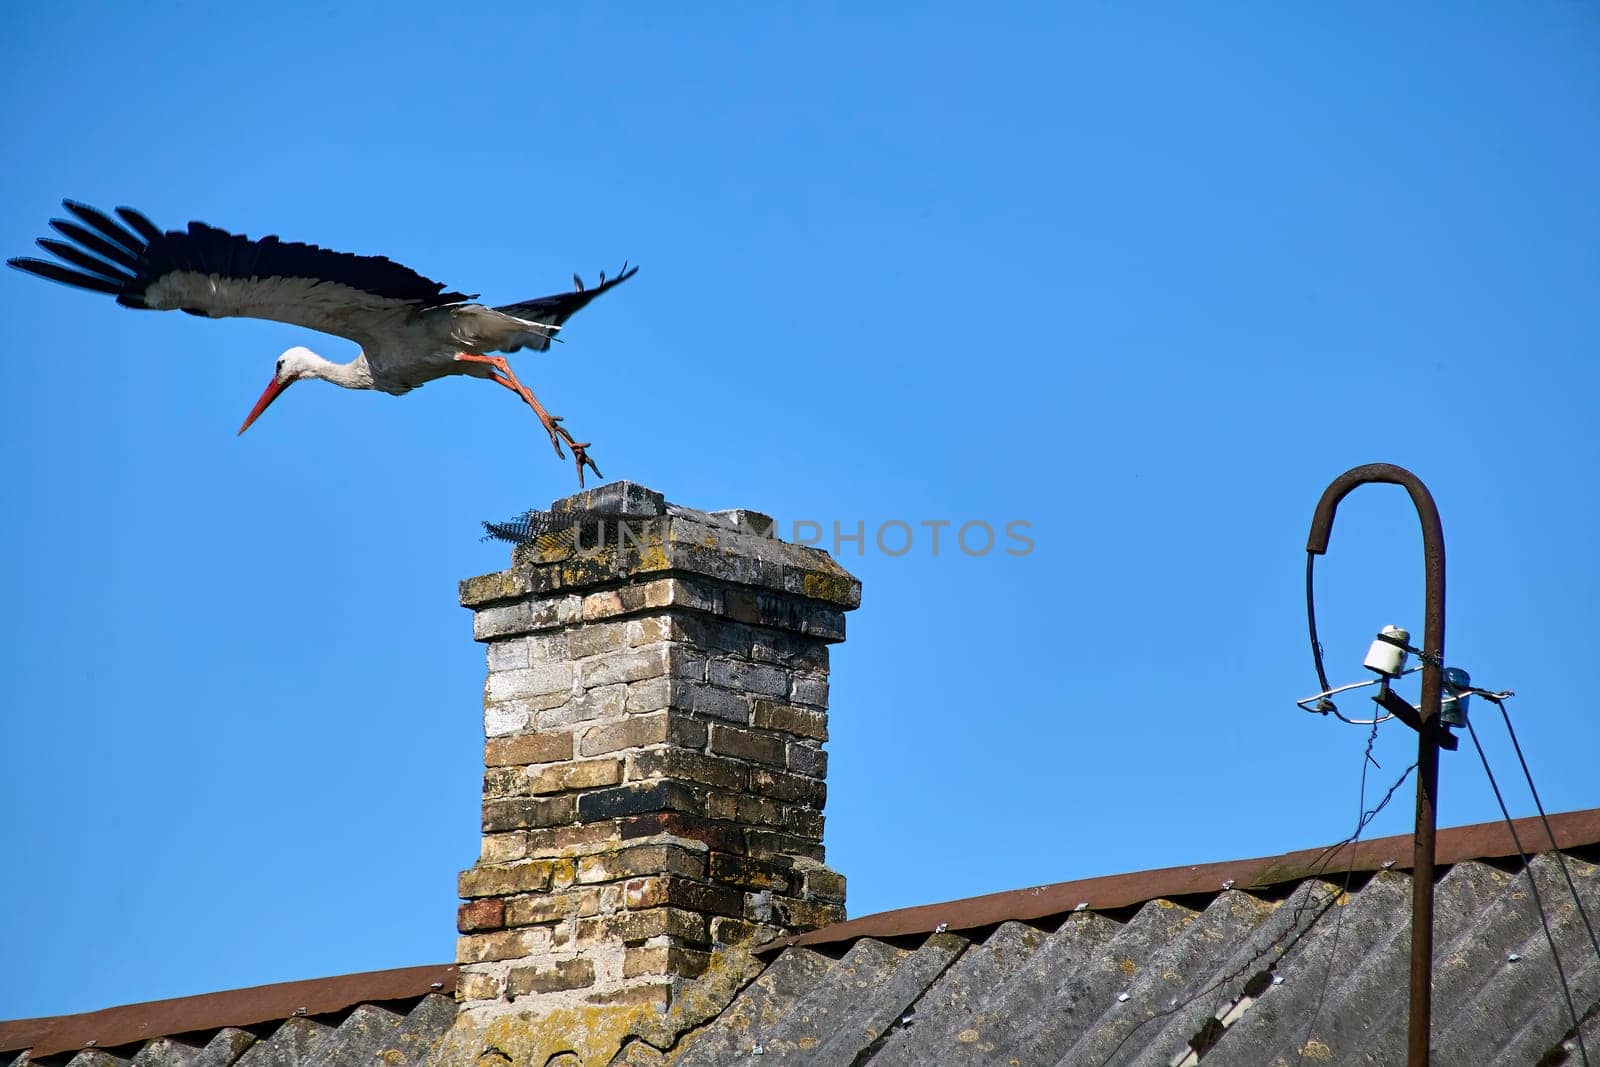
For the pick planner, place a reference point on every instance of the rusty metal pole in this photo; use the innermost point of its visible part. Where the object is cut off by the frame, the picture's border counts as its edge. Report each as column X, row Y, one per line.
column 1428, row 733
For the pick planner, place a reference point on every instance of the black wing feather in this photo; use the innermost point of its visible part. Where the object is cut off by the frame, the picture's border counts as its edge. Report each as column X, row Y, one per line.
column 57, row 273
column 100, row 221
column 79, row 258
column 95, row 243
column 143, row 255
column 143, row 226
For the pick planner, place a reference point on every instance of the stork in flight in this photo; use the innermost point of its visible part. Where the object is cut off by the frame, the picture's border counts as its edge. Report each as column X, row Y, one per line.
column 410, row 330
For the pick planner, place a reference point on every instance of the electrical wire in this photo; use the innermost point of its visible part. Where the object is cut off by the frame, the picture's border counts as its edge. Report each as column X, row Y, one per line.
column 1323, row 861
column 1344, row 890
column 1533, row 885
column 1498, row 700
column 1311, row 620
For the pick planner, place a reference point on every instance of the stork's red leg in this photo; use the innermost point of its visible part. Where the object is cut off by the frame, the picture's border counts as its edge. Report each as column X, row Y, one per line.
column 557, row 432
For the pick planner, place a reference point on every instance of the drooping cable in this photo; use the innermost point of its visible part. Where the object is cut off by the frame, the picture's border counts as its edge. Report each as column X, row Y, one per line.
column 1344, row 890
column 1293, row 931
column 1533, row 885
column 1566, row 873
column 1311, row 620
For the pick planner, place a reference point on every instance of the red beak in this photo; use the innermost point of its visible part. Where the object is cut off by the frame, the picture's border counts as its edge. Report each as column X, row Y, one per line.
column 273, row 389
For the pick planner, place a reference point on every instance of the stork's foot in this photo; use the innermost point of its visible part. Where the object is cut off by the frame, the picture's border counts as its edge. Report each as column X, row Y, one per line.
column 552, row 423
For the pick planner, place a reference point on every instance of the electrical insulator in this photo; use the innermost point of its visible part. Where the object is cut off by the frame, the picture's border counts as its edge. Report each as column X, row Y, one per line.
column 1453, row 707
column 1387, row 656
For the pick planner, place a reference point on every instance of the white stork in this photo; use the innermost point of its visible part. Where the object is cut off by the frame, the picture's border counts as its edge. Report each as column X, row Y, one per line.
column 410, row 330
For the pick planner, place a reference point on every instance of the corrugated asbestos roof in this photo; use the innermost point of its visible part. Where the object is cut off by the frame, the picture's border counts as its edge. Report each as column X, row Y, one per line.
column 392, row 1017
column 1255, row 963
column 1252, row 963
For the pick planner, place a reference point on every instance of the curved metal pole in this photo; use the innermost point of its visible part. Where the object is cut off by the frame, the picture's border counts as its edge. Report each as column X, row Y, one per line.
column 1427, row 735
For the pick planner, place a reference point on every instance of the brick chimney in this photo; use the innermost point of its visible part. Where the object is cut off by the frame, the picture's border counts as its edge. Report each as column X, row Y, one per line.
column 654, row 775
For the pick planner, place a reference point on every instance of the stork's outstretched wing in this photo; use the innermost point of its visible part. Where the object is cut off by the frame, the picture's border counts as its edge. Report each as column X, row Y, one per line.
column 554, row 310
column 210, row 272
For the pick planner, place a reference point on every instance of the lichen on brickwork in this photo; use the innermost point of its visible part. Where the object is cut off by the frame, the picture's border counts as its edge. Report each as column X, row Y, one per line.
column 654, row 713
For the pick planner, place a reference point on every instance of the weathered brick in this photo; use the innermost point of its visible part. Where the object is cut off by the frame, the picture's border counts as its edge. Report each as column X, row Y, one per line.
column 523, row 749
column 679, row 892
column 747, row 744
column 794, row 652
column 502, row 719
column 498, row 848
column 563, row 974
column 688, row 665
column 794, row 788
column 720, row 835
column 650, row 631
column 583, row 774
column 806, row 759
column 479, row 985
column 643, row 925
column 806, row 822
column 486, row 914
column 642, row 859
column 651, row 997
column 637, row 799
column 501, row 620
column 758, row 678
column 530, row 681
column 810, row 689
column 711, row 701
column 603, row 702
column 824, row 884
column 498, row 880
column 572, row 840
column 500, row 945
column 747, row 810
column 801, row 722
column 652, row 694
column 508, row 655
column 748, row 873
column 633, row 732
column 633, row 666
column 597, row 638
column 675, row 960
column 487, row 588
column 806, row 914
column 523, row 813
column 682, row 764
column 551, row 907
column 769, row 844
column 505, row 782
column 603, row 605
column 727, row 931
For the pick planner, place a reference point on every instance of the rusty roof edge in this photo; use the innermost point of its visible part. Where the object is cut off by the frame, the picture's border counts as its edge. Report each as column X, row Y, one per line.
column 130, row 1023
column 1489, row 840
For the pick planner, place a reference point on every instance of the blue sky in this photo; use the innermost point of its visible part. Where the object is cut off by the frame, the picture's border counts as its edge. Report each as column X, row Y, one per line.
column 1144, row 277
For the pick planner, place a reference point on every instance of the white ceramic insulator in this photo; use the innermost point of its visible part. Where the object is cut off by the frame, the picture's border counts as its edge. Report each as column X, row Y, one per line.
column 1385, row 658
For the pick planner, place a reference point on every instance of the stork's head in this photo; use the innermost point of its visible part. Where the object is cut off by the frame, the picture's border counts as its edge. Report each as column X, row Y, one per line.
column 294, row 364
